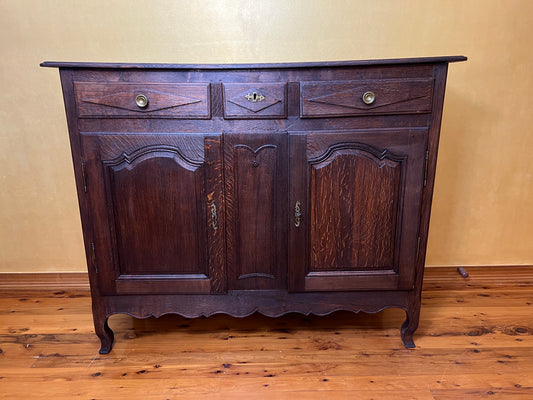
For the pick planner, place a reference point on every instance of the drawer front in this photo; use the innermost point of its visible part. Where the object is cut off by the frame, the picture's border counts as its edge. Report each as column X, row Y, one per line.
column 255, row 100
column 143, row 100
column 368, row 97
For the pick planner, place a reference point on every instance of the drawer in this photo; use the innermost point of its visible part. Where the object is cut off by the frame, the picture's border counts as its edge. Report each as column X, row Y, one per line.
column 366, row 97
column 143, row 100
column 255, row 100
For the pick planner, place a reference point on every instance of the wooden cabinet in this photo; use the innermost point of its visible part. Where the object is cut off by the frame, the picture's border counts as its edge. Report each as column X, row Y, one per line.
column 241, row 188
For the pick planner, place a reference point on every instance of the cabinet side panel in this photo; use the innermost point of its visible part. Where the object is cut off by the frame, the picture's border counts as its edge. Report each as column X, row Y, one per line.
column 100, row 280
column 440, row 71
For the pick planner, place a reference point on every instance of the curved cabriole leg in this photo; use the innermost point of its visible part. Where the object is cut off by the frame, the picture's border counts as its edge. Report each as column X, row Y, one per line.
column 409, row 326
column 104, row 332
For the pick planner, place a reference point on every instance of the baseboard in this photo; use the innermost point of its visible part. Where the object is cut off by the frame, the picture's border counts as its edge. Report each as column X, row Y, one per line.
column 487, row 272
column 80, row 280
column 44, row 281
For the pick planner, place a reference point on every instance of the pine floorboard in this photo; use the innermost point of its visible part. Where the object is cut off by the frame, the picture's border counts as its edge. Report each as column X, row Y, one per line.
column 475, row 341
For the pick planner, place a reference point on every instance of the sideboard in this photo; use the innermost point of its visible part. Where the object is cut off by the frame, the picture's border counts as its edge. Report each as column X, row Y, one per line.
column 271, row 188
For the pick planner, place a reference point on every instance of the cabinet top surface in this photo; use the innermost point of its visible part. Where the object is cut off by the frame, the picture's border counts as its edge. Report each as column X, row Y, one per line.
column 352, row 63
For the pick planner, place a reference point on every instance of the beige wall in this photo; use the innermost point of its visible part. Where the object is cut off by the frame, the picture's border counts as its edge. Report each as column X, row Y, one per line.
column 483, row 201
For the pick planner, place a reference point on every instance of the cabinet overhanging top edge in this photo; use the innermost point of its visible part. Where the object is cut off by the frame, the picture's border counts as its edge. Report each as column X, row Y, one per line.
column 321, row 64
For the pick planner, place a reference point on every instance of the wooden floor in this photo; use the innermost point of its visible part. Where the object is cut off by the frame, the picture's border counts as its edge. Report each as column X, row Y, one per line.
column 475, row 341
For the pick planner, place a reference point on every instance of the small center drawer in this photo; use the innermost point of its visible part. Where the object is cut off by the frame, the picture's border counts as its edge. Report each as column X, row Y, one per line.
column 368, row 97
column 143, row 100
column 255, row 100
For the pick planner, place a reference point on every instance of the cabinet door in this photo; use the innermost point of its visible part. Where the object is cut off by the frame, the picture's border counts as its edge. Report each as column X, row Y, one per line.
column 355, row 200
column 255, row 170
column 157, row 212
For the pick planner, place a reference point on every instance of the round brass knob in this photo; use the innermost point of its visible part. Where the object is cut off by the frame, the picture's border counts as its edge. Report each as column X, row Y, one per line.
column 141, row 100
column 369, row 97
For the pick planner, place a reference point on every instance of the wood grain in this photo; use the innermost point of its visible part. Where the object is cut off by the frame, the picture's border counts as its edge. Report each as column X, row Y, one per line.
column 270, row 101
column 421, row 60
column 181, row 100
column 144, row 174
column 362, row 205
column 256, row 196
column 345, row 98
column 475, row 341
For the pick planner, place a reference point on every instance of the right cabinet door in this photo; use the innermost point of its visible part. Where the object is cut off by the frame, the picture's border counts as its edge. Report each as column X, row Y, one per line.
column 355, row 208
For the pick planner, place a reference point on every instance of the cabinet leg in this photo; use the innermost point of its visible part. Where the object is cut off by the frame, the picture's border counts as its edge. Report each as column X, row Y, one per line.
column 104, row 332
column 409, row 327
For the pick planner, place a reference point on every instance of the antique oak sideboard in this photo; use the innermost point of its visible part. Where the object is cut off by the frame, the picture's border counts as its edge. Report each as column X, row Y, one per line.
column 276, row 188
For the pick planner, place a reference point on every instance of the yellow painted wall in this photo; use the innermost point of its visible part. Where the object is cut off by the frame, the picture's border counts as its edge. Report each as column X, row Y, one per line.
column 483, row 201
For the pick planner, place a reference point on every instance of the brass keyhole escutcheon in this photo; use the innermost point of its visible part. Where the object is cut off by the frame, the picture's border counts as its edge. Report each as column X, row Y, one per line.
column 254, row 96
column 369, row 97
column 141, row 100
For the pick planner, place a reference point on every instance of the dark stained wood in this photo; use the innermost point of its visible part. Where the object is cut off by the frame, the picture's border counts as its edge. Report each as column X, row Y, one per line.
column 475, row 341
column 345, row 98
column 411, row 323
column 142, row 185
column 255, row 187
column 215, row 203
column 355, row 63
column 362, row 208
column 171, row 100
column 355, row 197
column 256, row 206
column 160, row 183
column 255, row 100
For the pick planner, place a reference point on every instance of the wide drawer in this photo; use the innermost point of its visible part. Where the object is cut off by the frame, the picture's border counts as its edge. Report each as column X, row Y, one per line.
column 255, row 100
column 143, row 100
column 365, row 97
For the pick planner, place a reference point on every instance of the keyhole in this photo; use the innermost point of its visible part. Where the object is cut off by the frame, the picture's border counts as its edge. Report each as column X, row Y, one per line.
column 254, row 96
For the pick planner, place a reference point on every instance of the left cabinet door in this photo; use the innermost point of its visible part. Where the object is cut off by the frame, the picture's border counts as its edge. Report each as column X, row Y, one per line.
column 156, row 212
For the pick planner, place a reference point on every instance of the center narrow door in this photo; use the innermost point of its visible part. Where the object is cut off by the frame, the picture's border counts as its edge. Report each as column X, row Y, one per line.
column 255, row 169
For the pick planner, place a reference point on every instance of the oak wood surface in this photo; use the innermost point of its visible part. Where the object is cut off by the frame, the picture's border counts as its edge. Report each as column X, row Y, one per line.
column 475, row 341
column 183, row 100
column 144, row 175
column 363, row 197
column 143, row 179
column 255, row 194
column 421, row 60
column 346, row 97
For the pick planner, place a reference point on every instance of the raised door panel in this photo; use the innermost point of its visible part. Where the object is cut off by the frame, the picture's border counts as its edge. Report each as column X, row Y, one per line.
column 255, row 167
column 158, row 199
column 355, row 197
column 358, row 200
